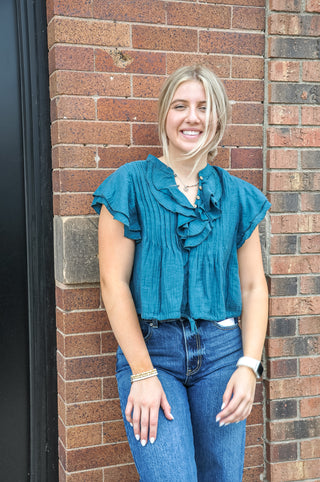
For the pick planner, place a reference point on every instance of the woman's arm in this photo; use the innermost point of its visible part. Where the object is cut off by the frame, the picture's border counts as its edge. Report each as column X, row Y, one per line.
column 239, row 394
column 116, row 255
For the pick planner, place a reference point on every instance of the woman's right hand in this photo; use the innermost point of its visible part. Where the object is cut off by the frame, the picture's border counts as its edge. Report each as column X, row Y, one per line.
column 142, row 410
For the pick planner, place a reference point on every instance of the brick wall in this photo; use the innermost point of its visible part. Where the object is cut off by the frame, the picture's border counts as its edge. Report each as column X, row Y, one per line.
column 293, row 163
column 107, row 61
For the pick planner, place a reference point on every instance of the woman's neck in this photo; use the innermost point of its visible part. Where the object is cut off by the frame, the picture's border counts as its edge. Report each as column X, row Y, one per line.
column 184, row 168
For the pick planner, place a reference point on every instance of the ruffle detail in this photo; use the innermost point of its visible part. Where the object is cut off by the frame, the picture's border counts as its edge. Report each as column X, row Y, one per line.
column 193, row 223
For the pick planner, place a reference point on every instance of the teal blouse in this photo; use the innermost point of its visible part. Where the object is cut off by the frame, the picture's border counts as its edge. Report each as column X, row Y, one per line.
column 185, row 262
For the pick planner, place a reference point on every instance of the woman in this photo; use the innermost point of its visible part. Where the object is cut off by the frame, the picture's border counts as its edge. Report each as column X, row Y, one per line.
column 180, row 262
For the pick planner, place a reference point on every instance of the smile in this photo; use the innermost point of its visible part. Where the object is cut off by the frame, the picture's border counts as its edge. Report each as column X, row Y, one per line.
column 191, row 133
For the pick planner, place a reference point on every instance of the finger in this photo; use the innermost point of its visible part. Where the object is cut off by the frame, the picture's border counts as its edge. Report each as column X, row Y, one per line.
column 153, row 424
column 166, row 407
column 144, row 422
column 136, row 422
column 128, row 411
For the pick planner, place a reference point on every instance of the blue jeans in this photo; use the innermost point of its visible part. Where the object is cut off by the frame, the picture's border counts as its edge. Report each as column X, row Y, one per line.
column 194, row 369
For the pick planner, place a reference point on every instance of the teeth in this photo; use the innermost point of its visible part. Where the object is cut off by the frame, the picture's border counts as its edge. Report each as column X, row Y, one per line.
column 190, row 133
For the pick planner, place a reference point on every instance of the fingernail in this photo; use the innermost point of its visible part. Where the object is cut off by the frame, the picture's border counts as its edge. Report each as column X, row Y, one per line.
column 143, row 442
column 221, row 424
column 152, row 440
column 217, row 419
column 222, row 406
column 131, row 424
column 171, row 416
column 228, row 423
column 137, row 437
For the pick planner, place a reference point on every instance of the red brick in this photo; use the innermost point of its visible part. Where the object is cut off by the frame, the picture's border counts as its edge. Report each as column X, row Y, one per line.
column 256, row 415
column 284, row 71
column 254, row 176
column 283, row 114
column 253, row 456
column 135, row 11
column 310, row 449
column 145, row 134
column 311, row 71
column 115, row 60
column 79, row 108
column 76, row 8
column 309, row 325
column 291, row 471
column 246, row 158
column 310, row 244
column 246, row 67
column 89, row 367
column 73, row 156
column 197, row 15
column 73, row 204
column 220, row 64
column 231, row 43
column 87, row 476
column 245, row 90
column 84, row 436
column 310, row 285
column 310, row 115
column 310, row 366
column 94, row 457
column 293, row 181
column 82, row 322
column 82, row 345
column 89, row 83
column 310, row 201
column 254, row 435
column 114, row 432
column 290, row 346
column 147, row 86
column 62, row 57
column 295, row 306
column 110, row 388
column 282, row 159
column 127, row 110
column 313, row 6
column 248, row 18
column 86, row 132
column 108, row 343
column 125, row 473
column 243, row 136
column 78, row 180
column 162, row 38
column 281, row 452
column 282, row 368
column 253, row 3
column 294, row 137
column 283, row 244
column 284, row 24
column 285, row 5
column 293, row 387
column 82, row 391
column 116, row 156
column 243, row 113
column 252, row 474
column 88, row 32
column 298, row 223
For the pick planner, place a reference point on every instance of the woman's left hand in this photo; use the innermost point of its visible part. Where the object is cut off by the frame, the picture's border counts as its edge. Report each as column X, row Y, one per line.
column 238, row 397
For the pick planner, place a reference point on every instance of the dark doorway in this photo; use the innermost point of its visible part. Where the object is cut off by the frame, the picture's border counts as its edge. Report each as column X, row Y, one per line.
column 28, row 413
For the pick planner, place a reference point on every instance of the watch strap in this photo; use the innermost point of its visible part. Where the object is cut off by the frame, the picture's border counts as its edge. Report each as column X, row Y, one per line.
column 255, row 365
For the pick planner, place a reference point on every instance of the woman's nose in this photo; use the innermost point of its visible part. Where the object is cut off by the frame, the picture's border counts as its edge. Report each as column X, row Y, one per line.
column 192, row 115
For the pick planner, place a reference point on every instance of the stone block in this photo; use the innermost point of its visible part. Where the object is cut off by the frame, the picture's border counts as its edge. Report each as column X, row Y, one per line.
column 76, row 249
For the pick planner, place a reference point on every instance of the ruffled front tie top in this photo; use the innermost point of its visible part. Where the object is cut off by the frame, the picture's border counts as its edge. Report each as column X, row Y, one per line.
column 185, row 263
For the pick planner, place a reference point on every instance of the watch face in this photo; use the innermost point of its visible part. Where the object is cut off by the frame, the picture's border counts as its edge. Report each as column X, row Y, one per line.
column 260, row 369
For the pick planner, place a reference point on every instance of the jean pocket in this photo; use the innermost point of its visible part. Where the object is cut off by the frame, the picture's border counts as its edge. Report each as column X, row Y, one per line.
column 227, row 325
column 146, row 329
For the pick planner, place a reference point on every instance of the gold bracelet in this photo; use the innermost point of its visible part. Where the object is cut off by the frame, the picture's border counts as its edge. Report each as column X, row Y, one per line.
column 143, row 375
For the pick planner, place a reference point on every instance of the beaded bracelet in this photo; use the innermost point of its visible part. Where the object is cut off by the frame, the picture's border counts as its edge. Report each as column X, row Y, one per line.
column 143, row 375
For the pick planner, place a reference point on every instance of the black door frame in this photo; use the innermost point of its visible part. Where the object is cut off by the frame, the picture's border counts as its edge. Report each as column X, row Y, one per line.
column 34, row 81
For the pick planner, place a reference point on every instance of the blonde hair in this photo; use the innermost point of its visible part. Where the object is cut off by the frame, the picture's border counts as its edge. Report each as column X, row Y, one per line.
column 217, row 106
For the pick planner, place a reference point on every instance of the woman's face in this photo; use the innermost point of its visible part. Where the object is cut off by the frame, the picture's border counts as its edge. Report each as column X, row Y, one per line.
column 186, row 118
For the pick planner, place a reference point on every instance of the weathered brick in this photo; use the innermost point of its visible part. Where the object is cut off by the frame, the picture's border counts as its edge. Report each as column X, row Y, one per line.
column 253, row 456
column 294, row 93
column 130, row 61
column 292, row 471
column 310, row 244
column 282, row 327
column 279, row 452
column 162, row 38
column 87, row 476
column 90, row 367
column 77, row 8
column 248, row 18
column 284, row 202
column 127, row 110
column 63, row 57
column 310, row 159
column 84, row 436
column 247, row 67
column 145, row 134
column 254, row 176
column 293, row 48
column 295, row 306
column 294, row 137
column 311, row 71
column 125, row 473
column 287, row 286
column 243, row 136
column 285, row 24
column 195, row 15
column 86, row 132
column 293, row 181
column 82, row 321
column 244, row 113
column 253, row 473
column 295, row 264
column 310, row 115
column 75, row 204
column 297, row 429
column 310, row 449
column 114, row 431
column 313, row 6
column 296, row 223
column 253, row 3
column 284, row 71
column 73, row 156
column 301, row 346
column 231, row 43
column 82, row 345
column 85, row 83
column 220, row 64
column 281, row 409
column 75, row 180
column 94, row 457
column 88, row 32
column 310, row 285
column 309, row 366
column 110, row 388
column 283, row 244
column 146, row 86
column 285, row 5
column 136, row 11
column 245, row 90
column 79, row 108
column 282, row 159
column 309, row 325
column 242, row 158
column 109, row 343
column 285, row 368
column 283, row 114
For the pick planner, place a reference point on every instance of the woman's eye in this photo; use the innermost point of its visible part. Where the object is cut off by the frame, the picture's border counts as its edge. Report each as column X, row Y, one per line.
column 203, row 108
column 179, row 106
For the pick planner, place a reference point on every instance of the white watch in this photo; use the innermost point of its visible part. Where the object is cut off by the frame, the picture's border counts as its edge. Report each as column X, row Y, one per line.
column 255, row 365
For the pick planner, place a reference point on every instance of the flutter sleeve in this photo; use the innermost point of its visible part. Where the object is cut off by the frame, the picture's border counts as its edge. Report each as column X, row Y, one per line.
column 253, row 208
column 117, row 193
